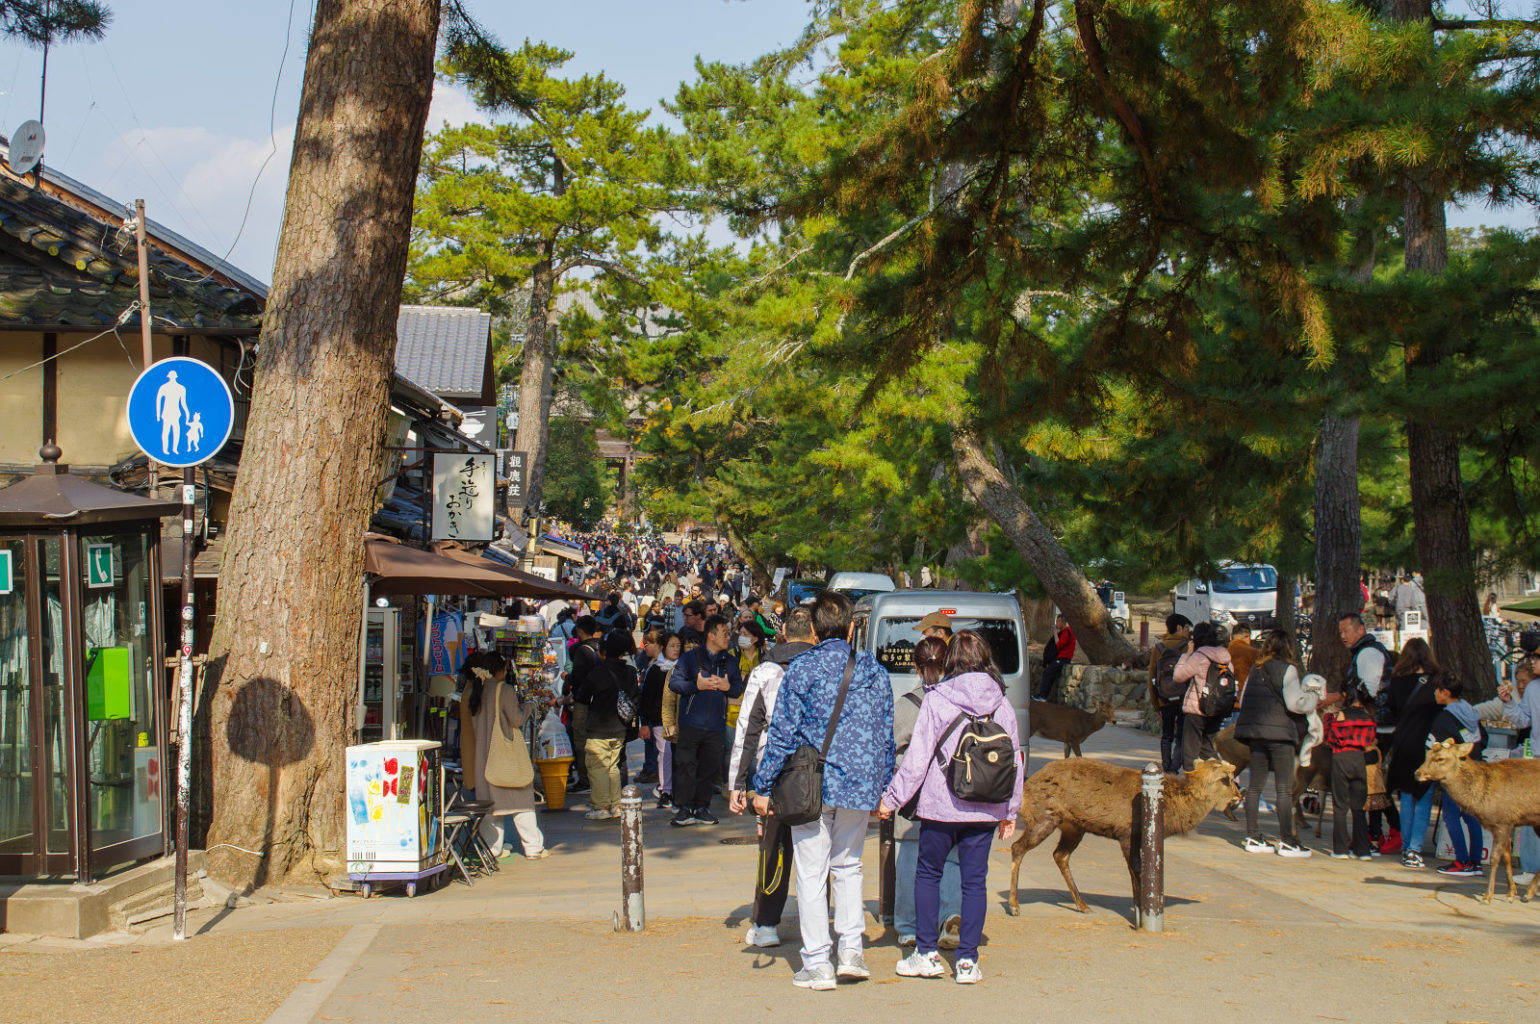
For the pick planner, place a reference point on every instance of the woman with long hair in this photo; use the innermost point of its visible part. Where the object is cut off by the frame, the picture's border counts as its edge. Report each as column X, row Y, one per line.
column 494, row 704
column 929, row 658
column 1274, row 704
column 1411, row 705
column 971, row 686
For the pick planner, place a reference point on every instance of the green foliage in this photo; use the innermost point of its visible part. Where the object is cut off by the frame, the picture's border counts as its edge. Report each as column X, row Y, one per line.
column 575, row 481
column 42, row 23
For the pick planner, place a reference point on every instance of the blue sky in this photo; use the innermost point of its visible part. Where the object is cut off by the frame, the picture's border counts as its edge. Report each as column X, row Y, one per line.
column 175, row 104
column 184, row 100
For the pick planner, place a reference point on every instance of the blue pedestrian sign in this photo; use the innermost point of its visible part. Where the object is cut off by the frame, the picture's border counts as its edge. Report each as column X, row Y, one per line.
column 180, row 412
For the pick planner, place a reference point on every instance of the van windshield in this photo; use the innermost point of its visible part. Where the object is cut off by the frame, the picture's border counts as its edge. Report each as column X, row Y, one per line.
column 1247, row 579
column 893, row 640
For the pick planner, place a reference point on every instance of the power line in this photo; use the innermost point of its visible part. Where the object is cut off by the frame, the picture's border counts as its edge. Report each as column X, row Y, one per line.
column 122, row 319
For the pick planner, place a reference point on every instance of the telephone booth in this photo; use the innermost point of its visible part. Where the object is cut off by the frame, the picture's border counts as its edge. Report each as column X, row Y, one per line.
column 83, row 731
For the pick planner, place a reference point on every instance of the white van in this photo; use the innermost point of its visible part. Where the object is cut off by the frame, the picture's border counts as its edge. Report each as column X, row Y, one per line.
column 1243, row 592
column 884, row 625
column 856, row 585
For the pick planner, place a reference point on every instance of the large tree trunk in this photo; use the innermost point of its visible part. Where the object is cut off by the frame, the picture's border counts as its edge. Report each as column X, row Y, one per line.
column 534, row 434
column 284, row 654
column 1440, row 515
column 1030, row 536
column 1338, row 542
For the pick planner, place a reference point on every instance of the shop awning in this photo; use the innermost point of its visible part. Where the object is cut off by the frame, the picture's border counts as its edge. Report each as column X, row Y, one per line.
column 539, row 585
column 400, row 570
column 549, row 545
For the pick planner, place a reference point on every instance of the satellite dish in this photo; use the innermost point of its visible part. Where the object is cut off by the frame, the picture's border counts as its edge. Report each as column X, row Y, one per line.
column 26, row 146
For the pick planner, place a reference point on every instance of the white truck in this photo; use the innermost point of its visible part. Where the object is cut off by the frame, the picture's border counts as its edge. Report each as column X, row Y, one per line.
column 1242, row 593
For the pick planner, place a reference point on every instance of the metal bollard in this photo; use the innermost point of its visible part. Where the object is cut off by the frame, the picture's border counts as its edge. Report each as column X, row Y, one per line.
column 1144, row 631
column 631, row 863
column 1151, row 905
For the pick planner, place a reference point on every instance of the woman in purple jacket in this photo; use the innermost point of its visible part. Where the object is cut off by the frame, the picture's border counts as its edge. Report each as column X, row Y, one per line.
column 972, row 686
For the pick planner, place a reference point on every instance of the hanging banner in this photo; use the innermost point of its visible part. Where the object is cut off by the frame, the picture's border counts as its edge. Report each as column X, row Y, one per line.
column 513, row 470
column 463, row 492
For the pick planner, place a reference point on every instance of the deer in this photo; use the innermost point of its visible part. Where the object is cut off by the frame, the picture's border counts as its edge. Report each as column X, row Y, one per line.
column 1316, row 775
column 1067, row 725
column 1082, row 796
column 1503, row 795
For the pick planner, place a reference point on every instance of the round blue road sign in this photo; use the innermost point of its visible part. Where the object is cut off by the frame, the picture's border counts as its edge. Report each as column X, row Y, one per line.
column 180, row 412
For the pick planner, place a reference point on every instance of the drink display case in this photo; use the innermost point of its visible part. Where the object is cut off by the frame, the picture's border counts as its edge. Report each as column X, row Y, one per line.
column 385, row 665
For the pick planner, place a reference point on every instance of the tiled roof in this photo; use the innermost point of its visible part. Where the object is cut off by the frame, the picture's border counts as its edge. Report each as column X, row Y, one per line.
column 447, row 350
column 60, row 263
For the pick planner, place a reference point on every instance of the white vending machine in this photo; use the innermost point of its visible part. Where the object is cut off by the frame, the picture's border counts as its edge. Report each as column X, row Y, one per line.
column 380, row 674
column 395, row 831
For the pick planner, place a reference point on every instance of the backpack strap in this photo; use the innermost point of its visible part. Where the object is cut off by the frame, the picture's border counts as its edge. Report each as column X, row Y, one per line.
column 947, row 734
column 839, row 705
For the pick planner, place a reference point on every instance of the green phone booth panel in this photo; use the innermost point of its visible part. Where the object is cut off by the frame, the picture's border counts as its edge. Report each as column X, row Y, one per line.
column 109, row 684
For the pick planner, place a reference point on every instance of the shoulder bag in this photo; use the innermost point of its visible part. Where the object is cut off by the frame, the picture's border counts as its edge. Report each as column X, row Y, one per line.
column 797, row 796
column 508, row 764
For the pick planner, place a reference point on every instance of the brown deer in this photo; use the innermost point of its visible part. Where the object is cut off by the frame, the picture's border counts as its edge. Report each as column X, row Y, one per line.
column 1503, row 795
column 1067, row 725
column 1316, row 775
column 1080, row 796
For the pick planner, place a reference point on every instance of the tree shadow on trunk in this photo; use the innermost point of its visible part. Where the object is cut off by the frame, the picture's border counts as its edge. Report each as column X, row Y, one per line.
column 269, row 725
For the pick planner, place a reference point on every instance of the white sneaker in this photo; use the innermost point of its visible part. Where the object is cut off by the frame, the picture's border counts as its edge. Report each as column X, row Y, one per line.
column 951, row 933
column 968, row 972
column 819, row 978
column 1252, row 845
column 852, row 965
column 1291, row 850
column 762, row 936
column 1523, row 878
column 922, row 965
column 906, row 940
column 599, row 814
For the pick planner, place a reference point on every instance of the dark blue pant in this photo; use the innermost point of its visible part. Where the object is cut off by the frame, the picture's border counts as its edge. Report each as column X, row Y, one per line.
column 650, row 756
column 936, row 841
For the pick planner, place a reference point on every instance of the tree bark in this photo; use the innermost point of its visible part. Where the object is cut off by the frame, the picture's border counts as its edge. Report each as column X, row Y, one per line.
column 1440, row 514
column 1030, row 536
column 1338, row 542
column 284, row 653
column 534, row 434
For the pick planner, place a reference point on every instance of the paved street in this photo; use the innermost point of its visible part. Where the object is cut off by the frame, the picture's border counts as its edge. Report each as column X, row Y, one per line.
column 1254, row 937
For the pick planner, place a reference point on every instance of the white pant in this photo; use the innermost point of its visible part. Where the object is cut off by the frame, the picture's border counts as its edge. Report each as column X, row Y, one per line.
column 665, row 761
column 530, row 837
column 829, row 846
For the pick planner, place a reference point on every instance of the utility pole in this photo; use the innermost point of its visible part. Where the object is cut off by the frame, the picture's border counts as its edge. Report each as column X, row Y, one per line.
column 145, row 323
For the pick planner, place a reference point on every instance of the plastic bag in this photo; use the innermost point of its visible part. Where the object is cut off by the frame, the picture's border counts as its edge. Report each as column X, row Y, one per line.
column 552, row 740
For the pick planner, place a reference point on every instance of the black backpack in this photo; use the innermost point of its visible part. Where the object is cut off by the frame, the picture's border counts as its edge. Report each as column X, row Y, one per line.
column 983, row 767
column 1217, row 698
column 1165, row 674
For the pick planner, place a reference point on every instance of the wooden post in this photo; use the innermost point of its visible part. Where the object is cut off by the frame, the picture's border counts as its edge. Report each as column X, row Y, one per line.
column 146, row 325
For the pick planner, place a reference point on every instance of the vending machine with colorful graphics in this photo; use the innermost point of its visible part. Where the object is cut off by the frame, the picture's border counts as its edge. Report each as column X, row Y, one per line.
column 395, row 832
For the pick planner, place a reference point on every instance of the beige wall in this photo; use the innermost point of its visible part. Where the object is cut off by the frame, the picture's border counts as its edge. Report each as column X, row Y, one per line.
column 21, row 399
column 93, row 384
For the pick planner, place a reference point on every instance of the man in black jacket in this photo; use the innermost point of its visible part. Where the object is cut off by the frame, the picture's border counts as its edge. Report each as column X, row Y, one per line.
column 585, row 657
column 704, row 678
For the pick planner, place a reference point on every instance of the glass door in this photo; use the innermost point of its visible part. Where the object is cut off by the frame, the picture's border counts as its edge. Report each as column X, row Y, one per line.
column 19, row 801
column 122, row 731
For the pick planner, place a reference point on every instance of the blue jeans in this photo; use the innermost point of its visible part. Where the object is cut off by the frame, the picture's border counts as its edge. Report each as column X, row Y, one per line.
column 1462, row 824
column 1415, row 814
column 903, row 897
column 650, row 756
column 937, row 839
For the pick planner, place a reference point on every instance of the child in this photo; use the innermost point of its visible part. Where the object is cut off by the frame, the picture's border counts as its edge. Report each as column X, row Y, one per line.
column 1458, row 721
column 1350, row 735
column 195, row 431
column 970, row 685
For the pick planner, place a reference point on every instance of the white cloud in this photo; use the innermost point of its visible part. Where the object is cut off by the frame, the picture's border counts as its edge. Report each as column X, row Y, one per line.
column 452, row 106
column 197, row 182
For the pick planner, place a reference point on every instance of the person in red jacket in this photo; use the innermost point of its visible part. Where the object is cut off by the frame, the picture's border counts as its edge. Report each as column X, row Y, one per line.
column 1056, row 654
column 1351, row 737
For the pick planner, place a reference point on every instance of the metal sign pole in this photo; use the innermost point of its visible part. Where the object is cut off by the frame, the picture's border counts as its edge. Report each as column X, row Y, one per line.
column 184, row 727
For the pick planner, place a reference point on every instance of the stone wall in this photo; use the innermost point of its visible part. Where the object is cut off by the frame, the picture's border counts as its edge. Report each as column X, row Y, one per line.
column 1083, row 685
